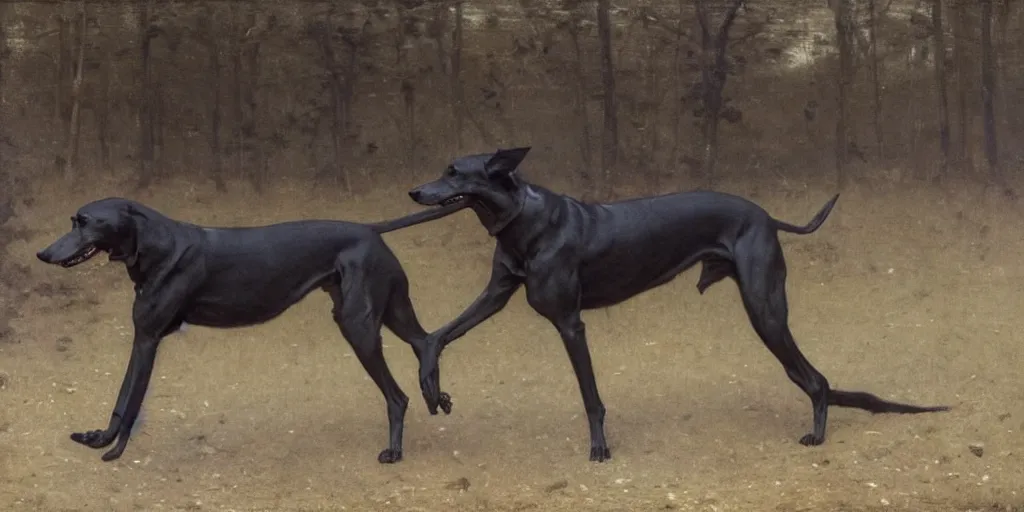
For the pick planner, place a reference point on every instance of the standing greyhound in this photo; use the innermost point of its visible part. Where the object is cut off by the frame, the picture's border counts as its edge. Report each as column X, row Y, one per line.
column 234, row 277
column 574, row 256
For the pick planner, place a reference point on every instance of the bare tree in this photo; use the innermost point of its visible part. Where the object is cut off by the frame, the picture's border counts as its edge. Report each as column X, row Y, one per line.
column 341, row 73
column 714, row 71
column 63, row 65
column 677, row 80
column 101, row 108
column 876, row 79
column 939, row 40
column 146, row 96
column 206, row 36
column 4, row 53
column 408, row 73
column 845, row 33
column 573, row 27
column 74, row 124
column 988, row 87
column 610, row 133
column 964, row 74
column 458, row 93
column 245, row 53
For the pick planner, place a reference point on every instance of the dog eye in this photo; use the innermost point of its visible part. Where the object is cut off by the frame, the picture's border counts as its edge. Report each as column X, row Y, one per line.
column 451, row 171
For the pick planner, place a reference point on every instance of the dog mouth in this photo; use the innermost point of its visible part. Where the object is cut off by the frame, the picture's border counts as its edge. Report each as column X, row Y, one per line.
column 453, row 200
column 81, row 257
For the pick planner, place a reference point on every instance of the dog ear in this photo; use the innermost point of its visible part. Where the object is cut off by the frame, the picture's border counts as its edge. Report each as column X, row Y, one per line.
column 505, row 161
column 130, row 227
column 128, row 214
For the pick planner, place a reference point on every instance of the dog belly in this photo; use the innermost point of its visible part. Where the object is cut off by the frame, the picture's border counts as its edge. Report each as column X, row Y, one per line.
column 227, row 316
column 607, row 285
column 608, row 291
column 255, row 305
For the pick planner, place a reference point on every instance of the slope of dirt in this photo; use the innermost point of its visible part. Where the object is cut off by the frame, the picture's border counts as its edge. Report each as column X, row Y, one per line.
column 911, row 294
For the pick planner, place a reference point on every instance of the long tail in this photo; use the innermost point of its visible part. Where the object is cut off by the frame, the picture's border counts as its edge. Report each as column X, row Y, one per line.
column 875, row 405
column 811, row 226
column 416, row 218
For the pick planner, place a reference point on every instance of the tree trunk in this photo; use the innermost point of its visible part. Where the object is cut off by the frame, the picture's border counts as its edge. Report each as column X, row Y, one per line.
column 63, row 57
column 237, row 89
column 74, row 122
column 348, row 93
column 250, row 126
column 209, row 40
column 964, row 74
column 146, row 97
column 1005, row 54
column 679, row 104
column 337, row 88
column 714, row 69
column 939, row 39
column 876, row 79
column 102, row 111
column 844, row 32
column 458, row 94
column 580, row 106
column 407, row 87
column 4, row 182
column 988, row 87
column 610, row 133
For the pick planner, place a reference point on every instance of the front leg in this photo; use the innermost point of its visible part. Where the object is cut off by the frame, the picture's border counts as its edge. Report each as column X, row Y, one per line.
column 144, row 355
column 154, row 316
column 557, row 298
column 502, row 285
column 103, row 438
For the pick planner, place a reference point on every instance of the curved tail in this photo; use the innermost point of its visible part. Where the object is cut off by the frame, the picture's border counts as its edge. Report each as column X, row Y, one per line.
column 875, row 405
column 811, row 226
column 416, row 218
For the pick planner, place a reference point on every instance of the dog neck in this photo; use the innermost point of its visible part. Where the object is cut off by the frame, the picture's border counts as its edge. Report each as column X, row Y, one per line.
column 495, row 219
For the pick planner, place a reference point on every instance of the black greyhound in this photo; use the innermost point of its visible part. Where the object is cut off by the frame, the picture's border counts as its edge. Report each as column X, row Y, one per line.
column 233, row 277
column 574, row 256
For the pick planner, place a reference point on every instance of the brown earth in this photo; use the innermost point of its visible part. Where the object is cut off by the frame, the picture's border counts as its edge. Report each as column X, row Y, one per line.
column 911, row 293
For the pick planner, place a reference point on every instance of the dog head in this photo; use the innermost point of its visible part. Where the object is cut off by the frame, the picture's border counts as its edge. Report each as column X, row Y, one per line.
column 487, row 182
column 109, row 225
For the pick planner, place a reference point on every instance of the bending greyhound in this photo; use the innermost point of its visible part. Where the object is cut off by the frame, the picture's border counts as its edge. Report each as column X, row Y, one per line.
column 233, row 277
column 574, row 256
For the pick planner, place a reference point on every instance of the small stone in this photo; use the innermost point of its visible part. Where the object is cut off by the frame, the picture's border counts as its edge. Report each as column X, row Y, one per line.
column 462, row 484
column 978, row 449
column 561, row 484
column 63, row 343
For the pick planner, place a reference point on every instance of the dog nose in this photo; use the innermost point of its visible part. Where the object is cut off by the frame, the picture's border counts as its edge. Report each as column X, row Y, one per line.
column 415, row 194
column 42, row 256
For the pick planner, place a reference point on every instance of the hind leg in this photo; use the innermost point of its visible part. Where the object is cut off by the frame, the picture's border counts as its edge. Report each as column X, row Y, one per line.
column 400, row 318
column 713, row 270
column 761, row 272
column 357, row 311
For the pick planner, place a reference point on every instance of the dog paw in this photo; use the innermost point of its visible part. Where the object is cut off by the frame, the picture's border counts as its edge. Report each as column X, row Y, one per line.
column 113, row 454
column 600, row 453
column 811, row 440
column 389, row 456
column 94, row 438
column 446, row 403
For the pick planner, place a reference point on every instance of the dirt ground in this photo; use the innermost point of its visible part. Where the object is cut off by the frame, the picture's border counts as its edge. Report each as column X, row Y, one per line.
column 911, row 293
